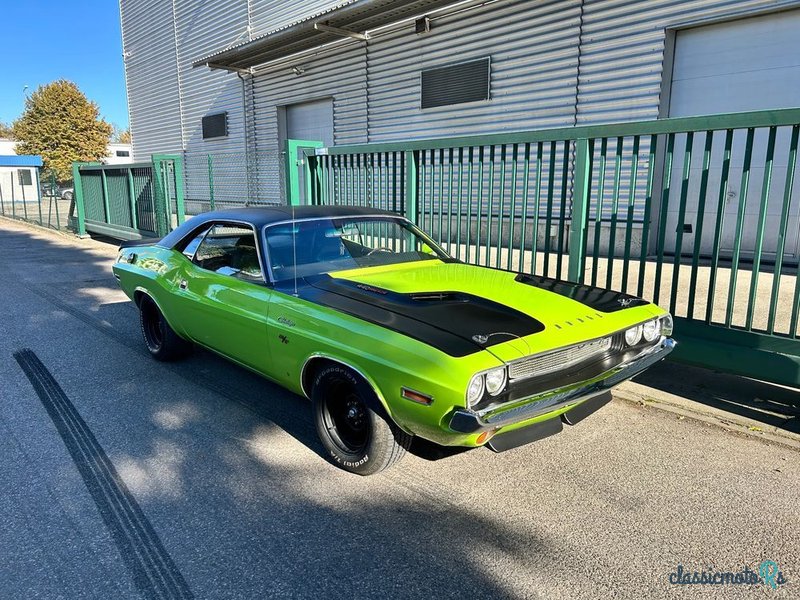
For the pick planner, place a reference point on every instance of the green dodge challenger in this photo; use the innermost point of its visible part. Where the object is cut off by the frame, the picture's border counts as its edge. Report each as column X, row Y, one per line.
column 386, row 334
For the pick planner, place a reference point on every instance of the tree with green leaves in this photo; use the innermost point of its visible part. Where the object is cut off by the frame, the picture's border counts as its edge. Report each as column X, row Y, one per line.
column 63, row 126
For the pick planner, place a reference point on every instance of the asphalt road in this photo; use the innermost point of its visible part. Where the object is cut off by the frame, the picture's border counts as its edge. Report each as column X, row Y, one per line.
column 125, row 478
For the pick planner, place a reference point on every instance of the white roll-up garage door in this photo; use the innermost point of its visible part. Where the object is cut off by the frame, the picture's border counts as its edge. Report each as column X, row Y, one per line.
column 743, row 65
column 310, row 121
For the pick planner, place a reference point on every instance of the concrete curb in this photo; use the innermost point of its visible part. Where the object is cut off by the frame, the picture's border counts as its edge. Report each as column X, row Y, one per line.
column 643, row 395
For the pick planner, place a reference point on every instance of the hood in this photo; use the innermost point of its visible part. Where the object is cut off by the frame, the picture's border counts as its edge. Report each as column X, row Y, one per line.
column 511, row 315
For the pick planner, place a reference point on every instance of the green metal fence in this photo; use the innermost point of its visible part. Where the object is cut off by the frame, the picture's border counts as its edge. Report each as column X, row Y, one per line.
column 42, row 199
column 699, row 214
column 130, row 201
column 231, row 179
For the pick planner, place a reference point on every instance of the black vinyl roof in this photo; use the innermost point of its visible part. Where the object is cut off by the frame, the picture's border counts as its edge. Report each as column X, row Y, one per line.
column 265, row 215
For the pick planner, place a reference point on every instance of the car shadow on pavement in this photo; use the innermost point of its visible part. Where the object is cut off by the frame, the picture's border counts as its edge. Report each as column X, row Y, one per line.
column 77, row 279
column 243, row 509
column 774, row 405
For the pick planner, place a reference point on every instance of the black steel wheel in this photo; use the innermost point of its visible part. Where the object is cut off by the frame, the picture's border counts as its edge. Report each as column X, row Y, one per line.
column 161, row 340
column 346, row 414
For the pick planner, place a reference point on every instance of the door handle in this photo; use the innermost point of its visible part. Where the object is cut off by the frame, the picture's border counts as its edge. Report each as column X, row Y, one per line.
column 183, row 284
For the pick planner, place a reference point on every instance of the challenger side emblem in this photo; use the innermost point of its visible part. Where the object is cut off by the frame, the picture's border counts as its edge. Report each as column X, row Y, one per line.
column 285, row 321
column 480, row 338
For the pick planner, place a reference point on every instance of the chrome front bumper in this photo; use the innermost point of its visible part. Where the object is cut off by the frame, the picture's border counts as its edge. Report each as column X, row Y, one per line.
column 467, row 421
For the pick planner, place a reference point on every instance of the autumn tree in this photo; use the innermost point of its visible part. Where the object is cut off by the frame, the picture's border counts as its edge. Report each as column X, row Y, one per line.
column 63, row 126
column 120, row 135
column 5, row 130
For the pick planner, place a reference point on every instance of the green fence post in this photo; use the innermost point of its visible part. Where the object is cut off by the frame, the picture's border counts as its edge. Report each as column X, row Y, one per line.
column 54, row 186
column 160, row 203
column 412, row 184
column 180, row 189
column 132, row 199
column 38, row 194
column 580, row 212
column 291, row 170
column 211, row 182
column 13, row 196
column 312, row 181
column 77, row 196
column 106, row 201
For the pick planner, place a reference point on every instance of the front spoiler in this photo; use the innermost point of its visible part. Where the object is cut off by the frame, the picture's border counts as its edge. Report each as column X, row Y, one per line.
column 466, row 421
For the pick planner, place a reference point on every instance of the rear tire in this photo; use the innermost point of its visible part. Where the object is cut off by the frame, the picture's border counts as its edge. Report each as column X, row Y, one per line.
column 161, row 340
column 355, row 436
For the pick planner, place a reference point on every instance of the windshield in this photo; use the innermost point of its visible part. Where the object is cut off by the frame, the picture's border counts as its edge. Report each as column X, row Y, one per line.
column 304, row 248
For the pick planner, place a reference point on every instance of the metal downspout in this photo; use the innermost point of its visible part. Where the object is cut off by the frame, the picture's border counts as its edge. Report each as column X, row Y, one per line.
column 247, row 154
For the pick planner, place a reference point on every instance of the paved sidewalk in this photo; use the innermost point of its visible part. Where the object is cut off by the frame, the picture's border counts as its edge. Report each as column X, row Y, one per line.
column 746, row 406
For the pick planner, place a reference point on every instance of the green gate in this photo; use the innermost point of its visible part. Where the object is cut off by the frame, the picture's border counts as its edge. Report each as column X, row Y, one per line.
column 296, row 186
column 130, row 201
column 699, row 214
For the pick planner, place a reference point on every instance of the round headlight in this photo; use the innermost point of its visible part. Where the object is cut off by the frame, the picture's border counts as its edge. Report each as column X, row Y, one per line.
column 666, row 325
column 633, row 335
column 651, row 331
column 475, row 390
column 496, row 381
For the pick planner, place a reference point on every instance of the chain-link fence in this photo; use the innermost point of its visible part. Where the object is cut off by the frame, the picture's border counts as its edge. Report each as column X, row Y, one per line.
column 37, row 196
column 225, row 180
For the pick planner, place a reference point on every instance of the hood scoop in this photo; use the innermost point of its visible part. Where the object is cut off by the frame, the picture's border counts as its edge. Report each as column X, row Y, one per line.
column 420, row 315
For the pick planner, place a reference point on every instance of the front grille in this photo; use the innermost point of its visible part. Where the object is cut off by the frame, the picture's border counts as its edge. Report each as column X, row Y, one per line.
column 541, row 364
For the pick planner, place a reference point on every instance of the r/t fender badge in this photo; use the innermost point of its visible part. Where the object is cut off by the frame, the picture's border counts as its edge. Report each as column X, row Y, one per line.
column 283, row 339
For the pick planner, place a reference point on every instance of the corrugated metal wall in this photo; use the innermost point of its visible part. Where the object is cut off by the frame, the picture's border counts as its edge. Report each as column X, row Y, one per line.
column 622, row 51
column 554, row 63
column 151, row 74
column 340, row 75
column 202, row 25
column 534, row 67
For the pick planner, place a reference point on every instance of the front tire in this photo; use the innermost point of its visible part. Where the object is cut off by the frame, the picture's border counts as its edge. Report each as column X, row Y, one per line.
column 161, row 340
column 355, row 436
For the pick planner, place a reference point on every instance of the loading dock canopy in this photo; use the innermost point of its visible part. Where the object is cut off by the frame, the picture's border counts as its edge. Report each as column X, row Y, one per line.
column 350, row 20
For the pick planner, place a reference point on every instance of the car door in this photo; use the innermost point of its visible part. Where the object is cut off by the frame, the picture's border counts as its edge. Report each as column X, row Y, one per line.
column 223, row 295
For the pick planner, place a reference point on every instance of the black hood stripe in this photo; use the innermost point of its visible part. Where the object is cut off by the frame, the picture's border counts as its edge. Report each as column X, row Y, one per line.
column 444, row 320
column 600, row 299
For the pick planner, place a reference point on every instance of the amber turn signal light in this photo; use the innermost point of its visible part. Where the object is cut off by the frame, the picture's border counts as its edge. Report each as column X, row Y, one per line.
column 415, row 396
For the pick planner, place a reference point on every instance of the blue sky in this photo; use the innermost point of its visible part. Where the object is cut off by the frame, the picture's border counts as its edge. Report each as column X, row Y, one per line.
column 79, row 40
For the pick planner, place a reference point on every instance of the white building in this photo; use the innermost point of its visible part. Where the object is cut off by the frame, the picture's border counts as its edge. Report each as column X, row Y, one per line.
column 264, row 66
column 233, row 79
column 19, row 179
column 116, row 153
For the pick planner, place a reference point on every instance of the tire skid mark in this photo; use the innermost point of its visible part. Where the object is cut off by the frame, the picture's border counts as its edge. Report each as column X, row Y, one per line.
column 152, row 568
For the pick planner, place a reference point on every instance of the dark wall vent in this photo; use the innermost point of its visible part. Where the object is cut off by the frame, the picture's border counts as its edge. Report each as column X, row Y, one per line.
column 456, row 84
column 215, row 126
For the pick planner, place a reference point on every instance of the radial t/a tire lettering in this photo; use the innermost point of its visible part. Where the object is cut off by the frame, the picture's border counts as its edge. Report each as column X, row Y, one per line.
column 355, row 437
